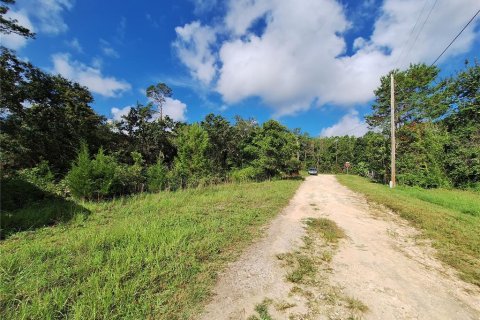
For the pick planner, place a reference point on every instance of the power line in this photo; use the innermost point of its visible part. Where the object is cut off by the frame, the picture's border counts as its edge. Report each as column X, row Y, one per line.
column 441, row 54
column 421, row 28
column 411, row 33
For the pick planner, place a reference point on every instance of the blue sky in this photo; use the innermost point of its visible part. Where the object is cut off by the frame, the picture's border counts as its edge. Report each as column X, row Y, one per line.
column 312, row 64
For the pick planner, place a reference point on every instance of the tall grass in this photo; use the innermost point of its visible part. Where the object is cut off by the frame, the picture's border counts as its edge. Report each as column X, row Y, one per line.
column 148, row 256
column 451, row 218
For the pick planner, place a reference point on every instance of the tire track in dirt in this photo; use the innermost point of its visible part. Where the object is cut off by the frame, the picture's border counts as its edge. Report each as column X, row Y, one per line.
column 380, row 263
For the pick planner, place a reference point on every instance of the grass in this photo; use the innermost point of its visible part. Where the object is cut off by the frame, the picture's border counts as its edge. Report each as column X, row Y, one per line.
column 148, row 256
column 355, row 304
column 326, row 228
column 302, row 264
column 450, row 218
column 262, row 310
column 309, row 269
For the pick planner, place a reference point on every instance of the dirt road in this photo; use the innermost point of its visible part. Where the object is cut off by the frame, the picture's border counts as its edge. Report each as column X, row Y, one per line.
column 379, row 264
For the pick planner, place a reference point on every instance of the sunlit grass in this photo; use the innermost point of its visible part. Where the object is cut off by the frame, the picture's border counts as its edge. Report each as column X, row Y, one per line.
column 148, row 256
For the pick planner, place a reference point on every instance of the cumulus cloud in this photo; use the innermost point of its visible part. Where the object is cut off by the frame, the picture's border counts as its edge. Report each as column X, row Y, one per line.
column 350, row 124
column 193, row 48
column 88, row 76
column 117, row 113
column 298, row 60
column 14, row 41
column 174, row 108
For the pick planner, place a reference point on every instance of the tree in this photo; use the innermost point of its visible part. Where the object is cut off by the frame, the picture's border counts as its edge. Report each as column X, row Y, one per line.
column 158, row 93
column 44, row 117
column 220, row 146
column 275, row 148
column 414, row 95
column 421, row 155
column 244, row 132
column 8, row 25
column 141, row 132
column 462, row 122
column 372, row 152
column 191, row 163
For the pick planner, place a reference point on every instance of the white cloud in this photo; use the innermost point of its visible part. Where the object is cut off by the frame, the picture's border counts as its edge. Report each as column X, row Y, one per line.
column 117, row 113
column 107, row 49
column 47, row 14
column 193, row 48
column 299, row 60
column 15, row 41
column 174, row 108
column 75, row 45
column 88, row 76
column 42, row 16
column 350, row 124
column 202, row 6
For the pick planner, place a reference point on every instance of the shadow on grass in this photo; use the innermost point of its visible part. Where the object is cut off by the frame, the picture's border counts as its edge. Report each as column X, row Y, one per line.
column 24, row 206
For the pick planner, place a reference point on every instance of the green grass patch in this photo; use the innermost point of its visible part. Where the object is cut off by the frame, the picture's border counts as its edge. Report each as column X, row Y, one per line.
column 147, row 256
column 355, row 304
column 262, row 310
column 451, row 218
column 326, row 228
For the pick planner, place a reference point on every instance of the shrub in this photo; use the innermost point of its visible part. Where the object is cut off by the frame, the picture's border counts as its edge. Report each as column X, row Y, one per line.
column 129, row 179
column 246, row 174
column 28, row 186
column 92, row 179
column 157, row 177
column 293, row 166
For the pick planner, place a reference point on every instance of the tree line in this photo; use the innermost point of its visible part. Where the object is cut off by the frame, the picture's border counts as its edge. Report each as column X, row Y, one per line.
column 437, row 124
column 52, row 139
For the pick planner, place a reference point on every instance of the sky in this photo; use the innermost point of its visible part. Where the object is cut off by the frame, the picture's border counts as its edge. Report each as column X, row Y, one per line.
column 311, row 64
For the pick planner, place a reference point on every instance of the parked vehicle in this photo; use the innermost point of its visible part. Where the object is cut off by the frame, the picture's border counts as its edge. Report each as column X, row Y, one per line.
column 312, row 171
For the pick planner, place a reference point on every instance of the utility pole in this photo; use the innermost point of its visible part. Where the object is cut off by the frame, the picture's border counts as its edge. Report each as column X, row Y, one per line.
column 392, row 130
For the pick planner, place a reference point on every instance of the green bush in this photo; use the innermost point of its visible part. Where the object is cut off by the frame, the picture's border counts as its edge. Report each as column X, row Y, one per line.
column 103, row 177
column 129, row 179
column 246, row 174
column 92, row 178
column 29, row 186
column 157, row 177
column 293, row 166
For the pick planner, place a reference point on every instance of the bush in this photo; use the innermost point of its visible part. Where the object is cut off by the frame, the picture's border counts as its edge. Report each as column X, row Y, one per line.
column 246, row 174
column 92, row 179
column 293, row 166
column 157, row 177
column 129, row 179
column 29, row 186
column 360, row 169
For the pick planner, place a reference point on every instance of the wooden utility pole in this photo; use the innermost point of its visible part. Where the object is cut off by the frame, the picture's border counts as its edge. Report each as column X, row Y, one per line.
column 392, row 130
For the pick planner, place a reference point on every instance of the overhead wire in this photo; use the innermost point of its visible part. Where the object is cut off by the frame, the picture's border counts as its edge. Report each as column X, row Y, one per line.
column 451, row 42
column 421, row 28
column 411, row 33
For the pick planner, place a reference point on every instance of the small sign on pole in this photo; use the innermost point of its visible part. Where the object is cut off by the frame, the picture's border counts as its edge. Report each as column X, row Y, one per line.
column 346, row 166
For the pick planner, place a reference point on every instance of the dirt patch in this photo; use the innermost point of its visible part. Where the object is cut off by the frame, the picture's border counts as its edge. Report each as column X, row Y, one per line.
column 380, row 265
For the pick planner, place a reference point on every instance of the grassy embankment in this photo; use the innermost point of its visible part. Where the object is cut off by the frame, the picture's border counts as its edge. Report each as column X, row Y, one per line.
column 451, row 218
column 148, row 256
